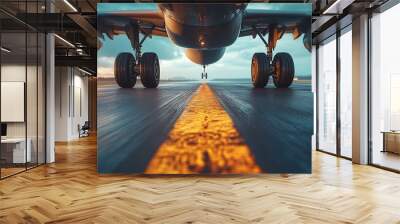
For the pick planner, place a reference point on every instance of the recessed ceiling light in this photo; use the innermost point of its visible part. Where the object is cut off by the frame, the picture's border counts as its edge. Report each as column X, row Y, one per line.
column 5, row 50
column 337, row 7
column 65, row 41
column 70, row 5
column 84, row 71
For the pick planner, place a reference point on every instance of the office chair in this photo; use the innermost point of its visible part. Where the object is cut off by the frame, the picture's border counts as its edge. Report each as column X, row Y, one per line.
column 84, row 130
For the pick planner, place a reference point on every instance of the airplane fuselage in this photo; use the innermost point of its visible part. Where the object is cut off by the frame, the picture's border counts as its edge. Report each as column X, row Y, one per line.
column 204, row 30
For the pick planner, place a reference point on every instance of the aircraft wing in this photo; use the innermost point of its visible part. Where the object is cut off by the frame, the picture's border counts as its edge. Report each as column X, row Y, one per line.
column 264, row 20
column 114, row 23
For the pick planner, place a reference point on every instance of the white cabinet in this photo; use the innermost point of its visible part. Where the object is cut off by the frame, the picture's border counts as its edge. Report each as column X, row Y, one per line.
column 19, row 154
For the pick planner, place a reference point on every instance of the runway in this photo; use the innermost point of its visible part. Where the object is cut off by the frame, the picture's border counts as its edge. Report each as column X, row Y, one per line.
column 276, row 124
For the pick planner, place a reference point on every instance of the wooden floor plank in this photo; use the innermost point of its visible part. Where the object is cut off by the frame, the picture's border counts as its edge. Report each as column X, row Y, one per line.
column 71, row 191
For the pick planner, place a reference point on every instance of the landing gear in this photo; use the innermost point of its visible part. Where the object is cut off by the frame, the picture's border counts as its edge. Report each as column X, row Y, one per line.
column 127, row 67
column 283, row 70
column 262, row 66
column 204, row 73
column 124, row 70
column 150, row 70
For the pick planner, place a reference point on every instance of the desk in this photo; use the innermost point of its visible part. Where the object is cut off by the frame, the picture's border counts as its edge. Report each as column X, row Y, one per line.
column 15, row 148
column 391, row 141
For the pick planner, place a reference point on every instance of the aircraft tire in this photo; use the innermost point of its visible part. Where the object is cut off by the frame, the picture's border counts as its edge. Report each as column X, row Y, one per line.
column 259, row 70
column 283, row 70
column 124, row 71
column 150, row 70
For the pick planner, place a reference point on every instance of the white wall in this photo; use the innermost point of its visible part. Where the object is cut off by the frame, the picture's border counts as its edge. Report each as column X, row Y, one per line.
column 71, row 94
column 81, row 108
column 62, row 81
column 13, row 72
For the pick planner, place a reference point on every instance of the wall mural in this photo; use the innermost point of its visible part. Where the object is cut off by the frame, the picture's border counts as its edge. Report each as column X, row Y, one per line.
column 204, row 88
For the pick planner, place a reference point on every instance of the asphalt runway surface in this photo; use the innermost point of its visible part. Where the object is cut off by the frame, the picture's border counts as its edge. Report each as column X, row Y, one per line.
column 276, row 124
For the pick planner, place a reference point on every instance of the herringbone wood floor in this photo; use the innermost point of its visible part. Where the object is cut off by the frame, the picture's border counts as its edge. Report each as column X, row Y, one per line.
column 70, row 191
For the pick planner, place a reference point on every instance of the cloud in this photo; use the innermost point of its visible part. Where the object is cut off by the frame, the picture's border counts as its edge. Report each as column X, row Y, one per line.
column 103, row 72
column 163, row 46
column 104, row 61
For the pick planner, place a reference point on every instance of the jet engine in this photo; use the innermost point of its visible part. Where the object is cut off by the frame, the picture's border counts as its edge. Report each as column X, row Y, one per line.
column 204, row 57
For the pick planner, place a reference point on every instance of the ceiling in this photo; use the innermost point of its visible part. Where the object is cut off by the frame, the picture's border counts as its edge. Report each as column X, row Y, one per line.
column 74, row 21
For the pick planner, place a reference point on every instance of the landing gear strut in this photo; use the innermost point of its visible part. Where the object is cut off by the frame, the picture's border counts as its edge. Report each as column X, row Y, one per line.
column 204, row 73
column 127, row 67
column 281, row 67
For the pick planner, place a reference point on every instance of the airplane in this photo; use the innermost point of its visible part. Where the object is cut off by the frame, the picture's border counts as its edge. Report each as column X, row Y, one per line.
column 205, row 30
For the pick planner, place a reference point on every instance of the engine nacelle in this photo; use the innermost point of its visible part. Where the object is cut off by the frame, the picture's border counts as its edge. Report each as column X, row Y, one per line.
column 204, row 57
column 203, row 37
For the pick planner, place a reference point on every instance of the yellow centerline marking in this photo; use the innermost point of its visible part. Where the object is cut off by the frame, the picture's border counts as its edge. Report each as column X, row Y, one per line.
column 203, row 140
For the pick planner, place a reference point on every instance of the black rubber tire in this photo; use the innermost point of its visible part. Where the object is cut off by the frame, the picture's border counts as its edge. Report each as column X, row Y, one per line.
column 260, row 70
column 124, row 70
column 150, row 70
column 283, row 70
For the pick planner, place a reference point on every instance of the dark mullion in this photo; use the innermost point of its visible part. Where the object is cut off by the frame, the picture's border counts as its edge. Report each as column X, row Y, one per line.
column 317, row 96
column 45, row 89
column 37, row 90
column 26, row 86
column 338, row 74
column 369, row 90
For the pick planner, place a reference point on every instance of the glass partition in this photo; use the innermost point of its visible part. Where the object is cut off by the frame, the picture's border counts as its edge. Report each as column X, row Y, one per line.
column 346, row 93
column 385, row 89
column 22, row 89
column 14, row 153
column 327, row 95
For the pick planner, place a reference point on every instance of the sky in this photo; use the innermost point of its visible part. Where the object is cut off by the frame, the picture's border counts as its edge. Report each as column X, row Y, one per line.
column 173, row 63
